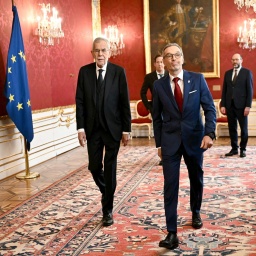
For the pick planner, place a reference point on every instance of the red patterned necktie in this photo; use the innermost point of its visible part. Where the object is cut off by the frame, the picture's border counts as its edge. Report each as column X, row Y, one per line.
column 178, row 93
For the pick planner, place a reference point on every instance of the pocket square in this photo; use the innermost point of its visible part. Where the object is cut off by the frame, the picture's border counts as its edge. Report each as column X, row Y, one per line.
column 192, row 91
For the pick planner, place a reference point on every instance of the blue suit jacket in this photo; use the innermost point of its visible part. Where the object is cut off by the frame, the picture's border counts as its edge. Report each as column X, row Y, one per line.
column 172, row 127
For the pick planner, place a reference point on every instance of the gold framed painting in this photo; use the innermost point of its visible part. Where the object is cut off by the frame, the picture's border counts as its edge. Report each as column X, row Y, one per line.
column 193, row 24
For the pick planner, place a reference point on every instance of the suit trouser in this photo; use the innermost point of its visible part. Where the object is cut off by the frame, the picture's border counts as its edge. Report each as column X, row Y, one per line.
column 171, row 170
column 235, row 115
column 104, row 177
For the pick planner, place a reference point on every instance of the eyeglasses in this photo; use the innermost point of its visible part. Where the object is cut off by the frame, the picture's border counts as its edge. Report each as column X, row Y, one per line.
column 170, row 56
column 104, row 51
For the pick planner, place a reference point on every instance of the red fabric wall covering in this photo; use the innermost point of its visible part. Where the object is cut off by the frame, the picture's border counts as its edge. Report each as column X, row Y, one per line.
column 128, row 15
column 49, row 69
column 52, row 71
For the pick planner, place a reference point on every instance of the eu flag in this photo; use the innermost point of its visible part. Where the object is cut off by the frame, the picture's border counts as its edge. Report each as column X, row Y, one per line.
column 16, row 86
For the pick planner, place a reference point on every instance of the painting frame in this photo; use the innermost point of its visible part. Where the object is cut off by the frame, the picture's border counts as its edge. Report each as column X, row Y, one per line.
column 213, row 70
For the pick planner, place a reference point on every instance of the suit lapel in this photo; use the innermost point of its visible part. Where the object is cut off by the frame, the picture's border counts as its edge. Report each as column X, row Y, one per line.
column 93, row 78
column 155, row 77
column 230, row 75
column 186, row 88
column 168, row 90
column 109, row 77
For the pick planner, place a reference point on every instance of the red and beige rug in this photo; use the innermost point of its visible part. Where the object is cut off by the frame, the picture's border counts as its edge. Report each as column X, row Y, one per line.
column 65, row 218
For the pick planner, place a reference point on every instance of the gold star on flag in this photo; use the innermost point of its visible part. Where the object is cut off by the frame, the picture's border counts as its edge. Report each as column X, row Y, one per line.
column 19, row 106
column 9, row 70
column 11, row 97
column 29, row 104
column 13, row 58
column 21, row 54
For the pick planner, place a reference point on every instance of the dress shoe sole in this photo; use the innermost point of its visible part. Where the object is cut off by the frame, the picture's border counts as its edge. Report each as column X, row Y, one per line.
column 106, row 224
column 197, row 226
column 173, row 246
column 232, row 154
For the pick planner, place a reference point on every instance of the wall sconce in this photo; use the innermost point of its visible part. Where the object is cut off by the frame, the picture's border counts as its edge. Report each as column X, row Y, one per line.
column 246, row 3
column 49, row 28
column 116, row 40
column 247, row 36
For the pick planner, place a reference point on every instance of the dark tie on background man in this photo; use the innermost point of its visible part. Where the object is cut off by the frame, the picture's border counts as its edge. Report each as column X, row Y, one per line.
column 100, row 80
column 160, row 75
column 177, row 93
column 235, row 76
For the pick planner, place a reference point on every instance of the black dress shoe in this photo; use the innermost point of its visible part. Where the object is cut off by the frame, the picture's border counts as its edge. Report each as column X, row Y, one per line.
column 170, row 242
column 107, row 219
column 196, row 221
column 242, row 153
column 160, row 163
column 232, row 153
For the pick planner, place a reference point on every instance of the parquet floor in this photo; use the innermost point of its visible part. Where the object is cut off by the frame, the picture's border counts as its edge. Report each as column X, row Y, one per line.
column 14, row 191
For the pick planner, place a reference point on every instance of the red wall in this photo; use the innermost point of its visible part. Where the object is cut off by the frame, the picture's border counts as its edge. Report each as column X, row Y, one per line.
column 230, row 20
column 128, row 16
column 52, row 71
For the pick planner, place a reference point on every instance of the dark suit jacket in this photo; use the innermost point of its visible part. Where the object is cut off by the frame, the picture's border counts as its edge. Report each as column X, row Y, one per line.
column 149, row 80
column 171, row 127
column 116, row 100
column 242, row 89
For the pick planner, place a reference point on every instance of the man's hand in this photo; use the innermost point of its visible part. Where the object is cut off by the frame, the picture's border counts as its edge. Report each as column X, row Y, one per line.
column 246, row 111
column 207, row 142
column 159, row 152
column 125, row 138
column 82, row 138
column 223, row 110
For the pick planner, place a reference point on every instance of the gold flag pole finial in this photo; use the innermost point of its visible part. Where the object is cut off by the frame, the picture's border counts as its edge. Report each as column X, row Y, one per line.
column 27, row 174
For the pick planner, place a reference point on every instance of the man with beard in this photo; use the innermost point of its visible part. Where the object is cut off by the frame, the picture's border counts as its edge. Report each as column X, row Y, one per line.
column 236, row 102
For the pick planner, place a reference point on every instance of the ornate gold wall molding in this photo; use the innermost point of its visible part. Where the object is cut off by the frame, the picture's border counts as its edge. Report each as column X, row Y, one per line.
column 96, row 18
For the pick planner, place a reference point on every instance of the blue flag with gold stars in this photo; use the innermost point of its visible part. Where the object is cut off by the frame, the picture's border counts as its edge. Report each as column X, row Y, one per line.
column 16, row 86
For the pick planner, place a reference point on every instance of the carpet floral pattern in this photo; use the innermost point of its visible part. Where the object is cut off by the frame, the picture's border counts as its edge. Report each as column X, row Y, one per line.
column 65, row 218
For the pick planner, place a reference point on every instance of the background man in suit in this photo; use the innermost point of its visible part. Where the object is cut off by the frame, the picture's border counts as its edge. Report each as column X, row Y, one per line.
column 103, row 119
column 236, row 101
column 149, row 80
column 179, row 131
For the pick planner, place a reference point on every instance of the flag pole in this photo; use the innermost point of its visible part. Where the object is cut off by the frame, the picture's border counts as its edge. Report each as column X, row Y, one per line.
column 20, row 114
column 27, row 174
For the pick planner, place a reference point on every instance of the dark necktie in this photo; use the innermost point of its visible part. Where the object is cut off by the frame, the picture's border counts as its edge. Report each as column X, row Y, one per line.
column 178, row 93
column 235, row 76
column 160, row 75
column 100, row 80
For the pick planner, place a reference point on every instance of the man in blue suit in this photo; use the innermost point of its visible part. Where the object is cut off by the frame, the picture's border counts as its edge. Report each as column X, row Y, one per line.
column 179, row 131
column 236, row 102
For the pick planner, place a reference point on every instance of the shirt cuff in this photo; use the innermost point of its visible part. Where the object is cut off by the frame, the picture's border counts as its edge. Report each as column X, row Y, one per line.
column 211, row 135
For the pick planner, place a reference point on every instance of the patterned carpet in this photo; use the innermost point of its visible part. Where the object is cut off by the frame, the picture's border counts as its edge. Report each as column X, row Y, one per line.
column 65, row 218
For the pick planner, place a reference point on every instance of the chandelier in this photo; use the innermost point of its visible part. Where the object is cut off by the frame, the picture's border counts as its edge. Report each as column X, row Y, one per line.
column 116, row 40
column 247, row 35
column 246, row 3
column 49, row 28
